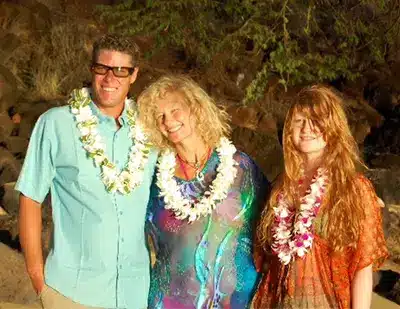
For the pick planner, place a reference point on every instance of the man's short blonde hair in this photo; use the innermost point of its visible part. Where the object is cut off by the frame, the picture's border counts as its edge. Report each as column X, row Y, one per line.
column 211, row 121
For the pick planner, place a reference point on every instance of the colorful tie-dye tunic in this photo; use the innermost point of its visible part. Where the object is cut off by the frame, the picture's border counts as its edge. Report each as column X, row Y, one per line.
column 322, row 279
column 207, row 263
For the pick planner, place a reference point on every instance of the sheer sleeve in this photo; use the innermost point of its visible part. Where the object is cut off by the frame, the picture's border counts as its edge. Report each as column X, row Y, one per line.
column 253, row 189
column 371, row 247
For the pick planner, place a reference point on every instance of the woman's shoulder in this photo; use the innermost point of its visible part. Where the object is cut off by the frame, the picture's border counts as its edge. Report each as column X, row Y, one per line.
column 246, row 163
column 242, row 158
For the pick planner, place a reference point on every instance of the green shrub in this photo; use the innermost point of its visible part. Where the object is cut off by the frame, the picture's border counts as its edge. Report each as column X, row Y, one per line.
column 300, row 41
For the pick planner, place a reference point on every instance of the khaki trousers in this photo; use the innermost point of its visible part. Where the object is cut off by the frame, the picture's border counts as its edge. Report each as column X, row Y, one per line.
column 51, row 299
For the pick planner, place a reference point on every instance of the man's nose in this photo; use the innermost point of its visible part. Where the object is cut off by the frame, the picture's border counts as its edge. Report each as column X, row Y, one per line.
column 109, row 75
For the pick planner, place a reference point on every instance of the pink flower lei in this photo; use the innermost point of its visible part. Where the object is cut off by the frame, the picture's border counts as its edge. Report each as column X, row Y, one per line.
column 293, row 232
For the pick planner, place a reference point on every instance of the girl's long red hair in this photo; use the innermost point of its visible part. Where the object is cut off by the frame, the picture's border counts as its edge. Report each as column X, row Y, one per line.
column 343, row 204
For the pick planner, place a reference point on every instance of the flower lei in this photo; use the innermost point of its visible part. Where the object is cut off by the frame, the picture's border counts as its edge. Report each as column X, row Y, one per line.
column 296, row 239
column 114, row 180
column 185, row 208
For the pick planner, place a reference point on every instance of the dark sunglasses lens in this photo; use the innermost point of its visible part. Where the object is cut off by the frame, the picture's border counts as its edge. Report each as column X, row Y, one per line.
column 99, row 69
column 121, row 71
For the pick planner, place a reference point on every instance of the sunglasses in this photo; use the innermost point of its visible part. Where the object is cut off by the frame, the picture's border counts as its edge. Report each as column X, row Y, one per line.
column 102, row 69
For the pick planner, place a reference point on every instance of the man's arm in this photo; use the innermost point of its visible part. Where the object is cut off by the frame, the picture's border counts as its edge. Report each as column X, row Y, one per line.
column 30, row 233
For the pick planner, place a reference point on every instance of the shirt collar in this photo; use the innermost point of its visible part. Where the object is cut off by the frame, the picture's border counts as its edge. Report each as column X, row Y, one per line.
column 123, row 118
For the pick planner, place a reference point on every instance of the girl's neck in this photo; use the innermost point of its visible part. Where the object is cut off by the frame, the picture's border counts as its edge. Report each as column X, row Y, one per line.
column 311, row 164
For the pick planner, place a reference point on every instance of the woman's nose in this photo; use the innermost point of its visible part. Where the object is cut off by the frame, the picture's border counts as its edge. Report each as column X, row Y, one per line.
column 167, row 119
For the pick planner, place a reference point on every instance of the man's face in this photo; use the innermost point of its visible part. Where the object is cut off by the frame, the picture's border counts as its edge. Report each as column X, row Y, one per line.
column 110, row 91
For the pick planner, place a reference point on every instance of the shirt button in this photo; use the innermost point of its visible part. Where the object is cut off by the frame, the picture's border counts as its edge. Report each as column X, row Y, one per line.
column 122, row 239
column 121, row 212
column 117, row 162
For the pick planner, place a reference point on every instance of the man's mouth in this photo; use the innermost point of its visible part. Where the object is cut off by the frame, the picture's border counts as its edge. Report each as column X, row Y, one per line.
column 109, row 89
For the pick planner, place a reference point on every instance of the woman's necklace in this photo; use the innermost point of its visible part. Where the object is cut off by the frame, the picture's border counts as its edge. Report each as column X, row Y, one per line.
column 186, row 208
column 197, row 165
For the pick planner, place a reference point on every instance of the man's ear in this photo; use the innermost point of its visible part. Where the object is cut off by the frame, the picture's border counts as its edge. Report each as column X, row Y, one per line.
column 134, row 75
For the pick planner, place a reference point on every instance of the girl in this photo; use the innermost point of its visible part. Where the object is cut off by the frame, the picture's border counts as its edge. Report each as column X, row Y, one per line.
column 321, row 236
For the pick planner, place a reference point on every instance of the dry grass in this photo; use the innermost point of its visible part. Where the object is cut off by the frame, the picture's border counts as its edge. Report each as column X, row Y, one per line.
column 46, row 64
column 60, row 61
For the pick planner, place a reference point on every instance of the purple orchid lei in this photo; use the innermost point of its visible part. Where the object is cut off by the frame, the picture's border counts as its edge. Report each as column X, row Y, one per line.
column 293, row 232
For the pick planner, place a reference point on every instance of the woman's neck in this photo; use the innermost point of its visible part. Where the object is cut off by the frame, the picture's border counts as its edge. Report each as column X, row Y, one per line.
column 192, row 150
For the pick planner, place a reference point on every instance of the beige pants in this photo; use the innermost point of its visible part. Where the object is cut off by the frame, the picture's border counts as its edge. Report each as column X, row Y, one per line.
column 51, row 299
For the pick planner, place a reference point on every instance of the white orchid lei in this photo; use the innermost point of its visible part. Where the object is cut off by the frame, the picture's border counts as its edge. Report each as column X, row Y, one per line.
column 296, row 239
column 114, row 180
column 218, row 191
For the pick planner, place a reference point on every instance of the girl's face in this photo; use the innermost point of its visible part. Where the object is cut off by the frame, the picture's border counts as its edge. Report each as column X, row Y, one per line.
column 174, row 118
column 307, row 136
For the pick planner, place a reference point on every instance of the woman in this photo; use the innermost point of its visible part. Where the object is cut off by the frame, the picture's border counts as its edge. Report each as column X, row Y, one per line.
column 321, row 236
column 203, row 201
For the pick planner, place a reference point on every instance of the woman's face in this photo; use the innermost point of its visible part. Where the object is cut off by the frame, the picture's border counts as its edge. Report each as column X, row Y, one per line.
column 174, row 118
column 307, row 136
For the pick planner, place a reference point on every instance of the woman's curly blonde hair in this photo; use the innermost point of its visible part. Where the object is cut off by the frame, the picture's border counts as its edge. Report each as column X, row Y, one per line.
column 211, row 121
column 343, row 202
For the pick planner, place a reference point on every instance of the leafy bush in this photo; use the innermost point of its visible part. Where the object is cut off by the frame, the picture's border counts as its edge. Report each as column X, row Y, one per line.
column 300, row 41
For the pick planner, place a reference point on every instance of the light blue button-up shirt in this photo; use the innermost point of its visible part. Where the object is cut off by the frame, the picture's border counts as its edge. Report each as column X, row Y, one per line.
column 99, row 257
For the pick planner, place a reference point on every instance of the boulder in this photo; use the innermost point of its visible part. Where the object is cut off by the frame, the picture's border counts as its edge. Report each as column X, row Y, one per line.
column 386, row 161
column 10, row 167
column 6, row 126
column 20, row 306
column 393, row 227
column 387, row 184
column 263, row 148
column 253, row 118
column 17, row 144
column 10, row 199
column 15, row 285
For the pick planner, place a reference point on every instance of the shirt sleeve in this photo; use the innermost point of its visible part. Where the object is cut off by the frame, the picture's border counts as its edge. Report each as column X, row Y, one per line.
column 371, row 246
column 38, row 169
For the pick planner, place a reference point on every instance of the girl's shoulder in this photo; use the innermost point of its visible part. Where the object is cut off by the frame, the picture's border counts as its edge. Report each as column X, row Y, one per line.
column 364, row 184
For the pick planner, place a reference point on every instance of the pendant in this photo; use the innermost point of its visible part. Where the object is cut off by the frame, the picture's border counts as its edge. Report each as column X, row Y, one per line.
column 200, row 176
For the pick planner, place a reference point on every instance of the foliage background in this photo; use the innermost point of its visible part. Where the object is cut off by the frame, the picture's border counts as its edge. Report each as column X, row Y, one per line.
column 298, row 41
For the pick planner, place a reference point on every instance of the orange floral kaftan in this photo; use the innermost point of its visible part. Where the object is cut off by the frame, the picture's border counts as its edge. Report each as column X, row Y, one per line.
column 322, row 279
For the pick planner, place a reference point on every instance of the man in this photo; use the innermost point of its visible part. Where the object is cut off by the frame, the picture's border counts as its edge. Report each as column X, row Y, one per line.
column 99, row 258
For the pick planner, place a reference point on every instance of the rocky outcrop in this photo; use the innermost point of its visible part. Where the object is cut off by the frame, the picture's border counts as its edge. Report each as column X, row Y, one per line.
column 15, row 285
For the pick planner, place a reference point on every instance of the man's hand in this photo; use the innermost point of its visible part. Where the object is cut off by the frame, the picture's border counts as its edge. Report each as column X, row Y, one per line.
column 37, row 282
